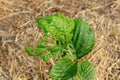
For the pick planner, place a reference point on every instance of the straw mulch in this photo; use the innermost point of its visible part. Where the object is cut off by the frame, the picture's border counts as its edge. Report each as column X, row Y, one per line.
column 19, row 29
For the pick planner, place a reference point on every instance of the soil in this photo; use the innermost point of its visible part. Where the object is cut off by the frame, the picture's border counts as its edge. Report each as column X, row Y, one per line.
column 19, row 29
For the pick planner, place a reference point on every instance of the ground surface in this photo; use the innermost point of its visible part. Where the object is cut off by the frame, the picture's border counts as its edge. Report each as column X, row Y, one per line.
column 18, row 29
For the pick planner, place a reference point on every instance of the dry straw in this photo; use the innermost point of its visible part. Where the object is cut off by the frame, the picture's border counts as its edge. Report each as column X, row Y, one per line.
column 18, row 29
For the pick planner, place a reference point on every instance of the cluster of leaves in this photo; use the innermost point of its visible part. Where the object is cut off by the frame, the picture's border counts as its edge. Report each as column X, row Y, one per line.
column 71, row 39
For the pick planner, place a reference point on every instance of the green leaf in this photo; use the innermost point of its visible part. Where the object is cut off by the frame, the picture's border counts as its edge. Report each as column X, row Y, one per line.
column 57, row 25
column 54, row 52
column 56, row 22
column 71, row 78
column 40, row 50
column 63, row 69
column 31, row 51
column 57, row 33
column 83, row 38
column 85, row 71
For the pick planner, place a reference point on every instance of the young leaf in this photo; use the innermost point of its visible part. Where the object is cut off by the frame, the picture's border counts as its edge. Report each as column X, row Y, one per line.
column 83, row 38
column 57, row 33
column 40, row 50
column 57, row 25
column 85, row 71
column 63, row 69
